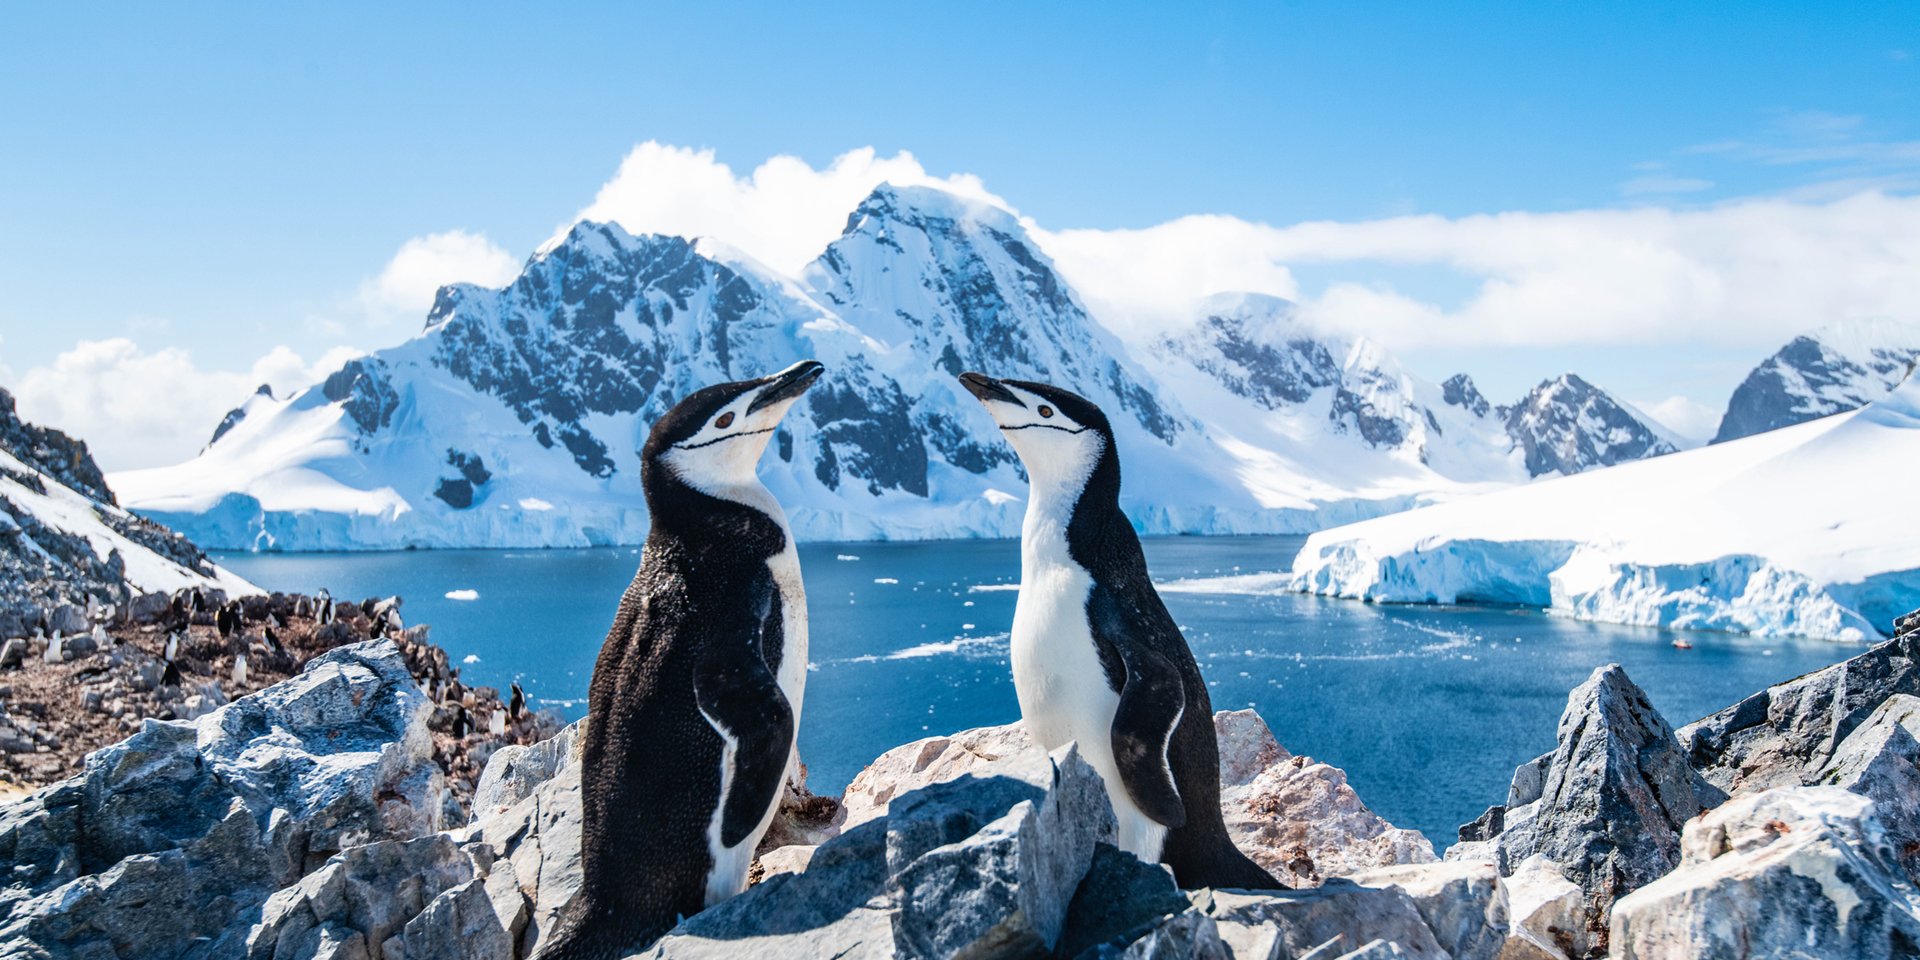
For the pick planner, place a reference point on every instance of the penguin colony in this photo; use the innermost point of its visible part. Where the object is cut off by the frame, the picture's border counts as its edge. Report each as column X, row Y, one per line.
column 697, row 692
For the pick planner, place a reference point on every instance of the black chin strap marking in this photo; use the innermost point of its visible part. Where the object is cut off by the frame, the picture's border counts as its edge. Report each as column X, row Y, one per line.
column 1047, row 426
column 730, row 436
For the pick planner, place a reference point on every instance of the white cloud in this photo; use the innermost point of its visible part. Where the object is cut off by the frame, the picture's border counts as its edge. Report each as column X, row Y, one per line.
column 1745, row 273
column 783, row 213
column 1685, row 416
column 136, row 408
column 423, row 265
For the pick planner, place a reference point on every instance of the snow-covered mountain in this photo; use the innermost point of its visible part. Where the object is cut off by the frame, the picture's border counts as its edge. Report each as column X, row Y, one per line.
column 1834, row 369
column 513, row 418
column 1807, row 530
column 1567, row 425
column 63, row 539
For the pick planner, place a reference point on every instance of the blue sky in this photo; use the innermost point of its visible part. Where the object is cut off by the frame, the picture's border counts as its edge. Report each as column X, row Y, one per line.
column 225, row 179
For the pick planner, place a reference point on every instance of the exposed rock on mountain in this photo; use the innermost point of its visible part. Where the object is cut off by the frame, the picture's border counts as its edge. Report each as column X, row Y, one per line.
column 514, row 417
column 65, row 543
column 1832, row 370
column 1567, row 425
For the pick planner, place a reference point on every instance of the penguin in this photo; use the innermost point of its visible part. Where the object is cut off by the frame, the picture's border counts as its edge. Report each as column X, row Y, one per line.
column 227, row 620
column 697, row 691
column 516, row 703
column 172, row 649
column 1096, row 657
column 239, row 675
column 272, row 638
column 496, row 722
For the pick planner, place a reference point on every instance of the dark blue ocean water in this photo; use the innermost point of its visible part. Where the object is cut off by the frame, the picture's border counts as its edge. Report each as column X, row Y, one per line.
column 1428, row 709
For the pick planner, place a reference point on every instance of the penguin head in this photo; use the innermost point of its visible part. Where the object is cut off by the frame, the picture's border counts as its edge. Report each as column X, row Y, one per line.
column 1060, row 436
column 713, row 439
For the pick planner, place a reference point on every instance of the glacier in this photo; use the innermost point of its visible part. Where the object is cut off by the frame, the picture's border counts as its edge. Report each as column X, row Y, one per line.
column 1805, row 531
column 512, row 418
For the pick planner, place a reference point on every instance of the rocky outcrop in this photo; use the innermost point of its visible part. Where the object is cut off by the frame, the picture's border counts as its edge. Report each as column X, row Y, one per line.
column 1785, row 734
column 1608, row 803
column 177, row 833
column 1297, row 818
column 1792, row 872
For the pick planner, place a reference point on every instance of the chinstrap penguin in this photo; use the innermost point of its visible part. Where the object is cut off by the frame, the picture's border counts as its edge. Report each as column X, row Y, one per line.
column 697, row 692
column 1096, row 657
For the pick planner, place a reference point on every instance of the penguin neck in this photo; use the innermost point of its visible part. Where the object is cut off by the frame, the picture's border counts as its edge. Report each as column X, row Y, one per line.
column 736, row 510
column 1069, row 516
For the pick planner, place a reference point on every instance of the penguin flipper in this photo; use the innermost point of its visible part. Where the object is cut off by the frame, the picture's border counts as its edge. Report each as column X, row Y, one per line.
column 1152, row 702
column 741, row 698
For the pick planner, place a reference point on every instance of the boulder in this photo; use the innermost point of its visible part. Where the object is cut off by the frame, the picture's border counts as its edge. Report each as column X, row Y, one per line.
column 1803, row 872
column 1299, row 818
column 1464, row 904
column 1004, row 751
column 1337, row 917
column 514, row 772
column 1122, row 900
column 1608, row 803
column 1784, row 735
column 174, row 834
column 1880, row 760
column 67, row 618
column 1190, row 935
column 377, row 892
column 1547, row 914
column 13, row 652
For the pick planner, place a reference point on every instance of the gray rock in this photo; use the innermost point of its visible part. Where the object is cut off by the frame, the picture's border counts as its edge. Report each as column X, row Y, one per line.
column 460, row 924
column 1002, row 891
column 1880, row 760
column 147, row 607
column 1612, row 798
column 1189, row 935
column 1547, row 913
column 1294, row 923
column 13, row 653
column 514, row 771
column 1464, row 904
column 175, row 833
column 1804, row 872
column 80, row 646
column 68, row 618
column 1121, row 900
column 1784, row 735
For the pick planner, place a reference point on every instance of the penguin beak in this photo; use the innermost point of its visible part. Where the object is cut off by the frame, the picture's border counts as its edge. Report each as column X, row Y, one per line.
column 788, row 384
column 986, row 389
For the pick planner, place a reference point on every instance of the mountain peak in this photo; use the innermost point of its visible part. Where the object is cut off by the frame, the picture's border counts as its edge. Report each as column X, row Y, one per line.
column 1838, row 367
column 916, row 205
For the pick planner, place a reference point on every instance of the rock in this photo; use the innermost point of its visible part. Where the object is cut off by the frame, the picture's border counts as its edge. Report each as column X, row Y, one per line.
column 1004, row 751
column 1464, row 904
column 13, row 653
column 68, row 618
column 1783, row 735
column 1338, row 916
column 514, row 772
column 1613, row 795
column 81, row 646
column 1880, row 760
column 1804, row 872
column 540, row 837
column 792, row 858
column 460, row 924
column 1298, row 818
column 1121, row 900
column 1190, row 935
column 1002, row 891
column 374, row 890
column 147, row 607
column 174, row 833
column 1547, row 914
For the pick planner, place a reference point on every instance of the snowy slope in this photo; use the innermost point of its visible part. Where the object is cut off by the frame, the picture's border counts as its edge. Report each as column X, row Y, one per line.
column 513, row 418
column 1831, row 370
column 1808, row 530
column 62, row 538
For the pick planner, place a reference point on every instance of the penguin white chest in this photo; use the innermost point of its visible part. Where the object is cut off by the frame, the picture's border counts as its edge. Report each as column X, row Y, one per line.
column 1062, row 686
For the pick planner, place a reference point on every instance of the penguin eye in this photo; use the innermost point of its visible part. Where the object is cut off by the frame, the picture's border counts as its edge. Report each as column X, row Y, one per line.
column 1046, row 411
column 725, row 421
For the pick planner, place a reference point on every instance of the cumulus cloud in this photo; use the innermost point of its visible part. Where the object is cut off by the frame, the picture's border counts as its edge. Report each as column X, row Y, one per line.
column 782, row 214
column 138, row 408
column 405, row 287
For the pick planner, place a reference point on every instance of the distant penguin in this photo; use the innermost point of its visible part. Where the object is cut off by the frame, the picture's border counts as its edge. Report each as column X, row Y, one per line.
column 172, row 649
column 239, row 675
column 462, row 722
column 517, row 703
column 1096, row 657
column 56, row 648
column 497, row 722
column 170, row 677
column 697, row 691
column 272, row 638
column 227, row 620
column 101, row 637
